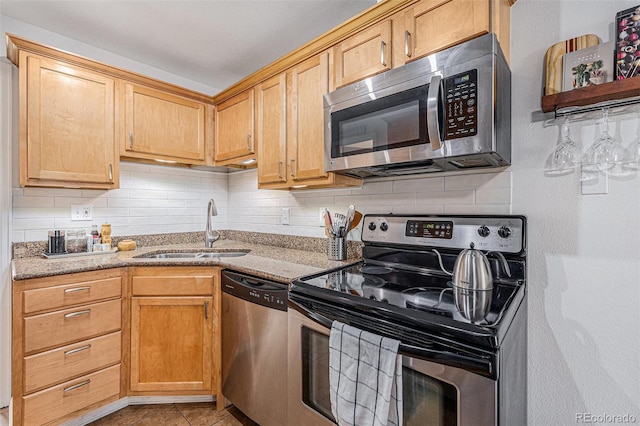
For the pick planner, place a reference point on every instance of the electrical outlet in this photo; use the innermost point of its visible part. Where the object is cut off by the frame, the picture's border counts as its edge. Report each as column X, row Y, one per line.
column 594, row 182
column 321, row 216
column 285, row 216
column 81, row 212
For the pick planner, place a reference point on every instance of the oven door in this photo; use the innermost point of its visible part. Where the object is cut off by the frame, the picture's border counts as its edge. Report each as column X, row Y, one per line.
column 433, row 394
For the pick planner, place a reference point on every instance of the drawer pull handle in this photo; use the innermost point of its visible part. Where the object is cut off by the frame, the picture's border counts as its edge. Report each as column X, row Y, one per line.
column 76, row 314
column 383, row 45
column 130, row 139
column 407, row 43
column 73, row 290
column 206, row 310
column 76, row 350
column 79, row 385
column 249, row 143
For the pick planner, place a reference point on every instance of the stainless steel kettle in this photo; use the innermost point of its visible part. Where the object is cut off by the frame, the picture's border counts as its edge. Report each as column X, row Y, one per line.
column 473, row 282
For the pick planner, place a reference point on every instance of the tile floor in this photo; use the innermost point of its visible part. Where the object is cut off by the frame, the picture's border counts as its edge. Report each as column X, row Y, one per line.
column 192, row 414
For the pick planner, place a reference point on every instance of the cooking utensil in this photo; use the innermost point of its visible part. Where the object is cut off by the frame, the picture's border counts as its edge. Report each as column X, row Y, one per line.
column 357, row 217
column 349, row 218
column 328, row 226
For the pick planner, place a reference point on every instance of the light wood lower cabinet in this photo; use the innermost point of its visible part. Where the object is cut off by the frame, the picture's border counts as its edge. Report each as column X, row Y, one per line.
column 67, row 339
column 174, row 331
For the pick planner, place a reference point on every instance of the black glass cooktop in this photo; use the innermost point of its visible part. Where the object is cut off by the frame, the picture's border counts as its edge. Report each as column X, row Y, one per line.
column 408, row 290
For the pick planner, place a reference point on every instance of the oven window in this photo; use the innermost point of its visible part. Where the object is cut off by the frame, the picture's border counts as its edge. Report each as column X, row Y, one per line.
column 426, row 400
column 315, row 372
column 390, row 122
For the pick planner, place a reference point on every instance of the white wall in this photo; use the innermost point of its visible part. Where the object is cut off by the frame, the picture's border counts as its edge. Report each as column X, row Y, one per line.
column 151, row 200
column 6, row 129
column 251, row 209
column 584, row 267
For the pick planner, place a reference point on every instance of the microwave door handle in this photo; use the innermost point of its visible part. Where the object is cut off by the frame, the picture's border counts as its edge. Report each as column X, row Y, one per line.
column 433, row 120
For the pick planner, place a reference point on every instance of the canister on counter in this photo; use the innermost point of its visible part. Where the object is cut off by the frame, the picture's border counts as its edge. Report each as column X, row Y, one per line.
column 105, row 233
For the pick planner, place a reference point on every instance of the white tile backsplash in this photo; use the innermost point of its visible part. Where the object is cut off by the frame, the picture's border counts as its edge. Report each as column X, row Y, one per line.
column 159, row 199
column 152, row 199
column 251, row 209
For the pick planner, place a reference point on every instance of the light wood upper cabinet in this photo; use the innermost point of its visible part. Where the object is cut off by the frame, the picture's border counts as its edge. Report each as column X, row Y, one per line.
column 234, row 123
column 309, row 82
column 433, row 25
column 271, row 130
column 159, row 125
column 365, row 54
column 67, row 119
column 291, row 145
column 436, row 24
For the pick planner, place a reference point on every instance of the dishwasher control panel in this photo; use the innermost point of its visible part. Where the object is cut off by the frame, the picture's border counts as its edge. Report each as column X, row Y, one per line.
column 256, row 290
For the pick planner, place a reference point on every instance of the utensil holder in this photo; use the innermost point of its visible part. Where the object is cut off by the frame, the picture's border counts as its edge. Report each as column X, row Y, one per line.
column 336, row 248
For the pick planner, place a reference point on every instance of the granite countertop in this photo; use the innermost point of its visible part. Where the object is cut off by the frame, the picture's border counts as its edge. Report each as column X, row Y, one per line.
column 272, row 262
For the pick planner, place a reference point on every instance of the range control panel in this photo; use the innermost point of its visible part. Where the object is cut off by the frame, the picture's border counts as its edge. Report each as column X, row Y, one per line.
column 429, row 229
column 498, row 233
column 461, row 110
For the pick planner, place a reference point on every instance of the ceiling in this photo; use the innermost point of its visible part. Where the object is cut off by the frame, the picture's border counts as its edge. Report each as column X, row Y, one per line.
column 213, row 42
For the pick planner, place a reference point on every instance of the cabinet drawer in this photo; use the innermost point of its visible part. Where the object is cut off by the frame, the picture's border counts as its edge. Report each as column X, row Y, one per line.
column 177, row 285
column 47, row 368
column 61, row 327
column 59, row 401
column 71, row 294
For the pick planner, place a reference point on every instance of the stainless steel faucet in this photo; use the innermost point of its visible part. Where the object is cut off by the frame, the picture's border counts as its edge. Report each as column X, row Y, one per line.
column 211, row 235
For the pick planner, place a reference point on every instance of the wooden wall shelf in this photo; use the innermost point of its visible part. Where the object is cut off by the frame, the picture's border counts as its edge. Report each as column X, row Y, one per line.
column 612, row 91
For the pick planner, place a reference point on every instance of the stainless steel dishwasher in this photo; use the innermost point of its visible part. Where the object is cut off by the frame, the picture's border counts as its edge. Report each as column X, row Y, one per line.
column 254, row 347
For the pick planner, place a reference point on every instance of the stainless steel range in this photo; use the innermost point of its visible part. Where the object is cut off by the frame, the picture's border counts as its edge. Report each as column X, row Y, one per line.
column 460, row 367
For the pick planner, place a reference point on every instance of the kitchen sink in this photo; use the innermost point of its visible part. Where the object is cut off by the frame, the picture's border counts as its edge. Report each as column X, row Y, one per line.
column 192, row 255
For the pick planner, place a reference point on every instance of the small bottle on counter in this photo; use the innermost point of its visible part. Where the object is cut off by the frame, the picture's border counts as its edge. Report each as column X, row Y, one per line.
column 89, row 243
column 95, row 235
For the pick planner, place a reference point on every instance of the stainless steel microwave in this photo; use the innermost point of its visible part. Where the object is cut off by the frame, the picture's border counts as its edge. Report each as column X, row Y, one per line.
column 447, row 111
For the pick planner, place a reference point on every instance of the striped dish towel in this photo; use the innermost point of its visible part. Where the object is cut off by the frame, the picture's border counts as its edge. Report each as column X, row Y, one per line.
column 365, row 377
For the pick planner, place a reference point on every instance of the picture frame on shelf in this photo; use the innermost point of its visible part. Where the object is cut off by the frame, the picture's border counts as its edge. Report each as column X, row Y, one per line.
column 586, row 67
column 627, row 54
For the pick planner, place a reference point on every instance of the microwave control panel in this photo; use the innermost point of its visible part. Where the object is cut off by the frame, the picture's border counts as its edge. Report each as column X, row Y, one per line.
column 461, row 109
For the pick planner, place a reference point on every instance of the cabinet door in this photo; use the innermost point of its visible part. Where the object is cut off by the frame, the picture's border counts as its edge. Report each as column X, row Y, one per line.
column 364, row 54
column 271, row 134
column 66, row 125
column 234, row 127
column 162, row 125
column 309, row 82
column 433, row 25
column 171, row 343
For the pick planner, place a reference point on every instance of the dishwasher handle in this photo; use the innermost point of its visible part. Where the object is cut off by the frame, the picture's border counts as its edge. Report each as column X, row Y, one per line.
column 259, row 291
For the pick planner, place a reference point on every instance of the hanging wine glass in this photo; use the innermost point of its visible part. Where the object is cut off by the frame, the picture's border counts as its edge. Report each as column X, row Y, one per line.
column 566, row 156
column 607, row 154
column 634, row 150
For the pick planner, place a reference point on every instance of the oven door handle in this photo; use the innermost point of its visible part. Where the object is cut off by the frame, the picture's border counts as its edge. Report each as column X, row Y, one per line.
column 475, row 364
